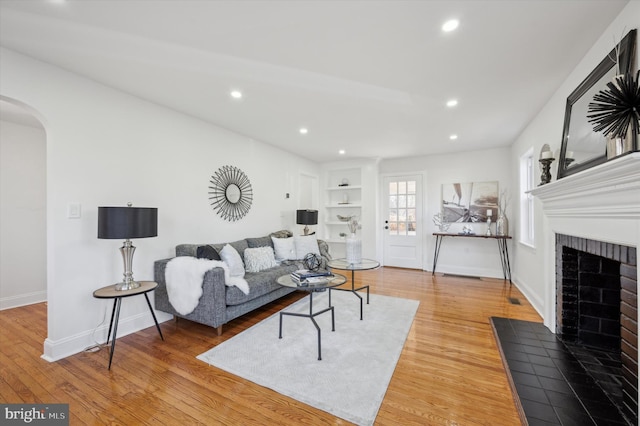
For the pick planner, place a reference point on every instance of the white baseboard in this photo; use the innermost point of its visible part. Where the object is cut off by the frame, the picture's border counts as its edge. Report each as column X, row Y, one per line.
column 23, row 300
column 535, row 301
column 55, row 350
column 469, row 271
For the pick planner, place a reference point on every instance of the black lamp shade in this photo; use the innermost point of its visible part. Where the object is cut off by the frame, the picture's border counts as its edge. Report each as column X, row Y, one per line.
column 307, row 217
column 127, row 222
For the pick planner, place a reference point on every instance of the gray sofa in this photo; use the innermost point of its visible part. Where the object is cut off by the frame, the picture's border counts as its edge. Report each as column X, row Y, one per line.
column 220, row 303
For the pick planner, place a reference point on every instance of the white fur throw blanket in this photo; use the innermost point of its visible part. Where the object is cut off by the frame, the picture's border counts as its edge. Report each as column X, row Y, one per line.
column 184, row 276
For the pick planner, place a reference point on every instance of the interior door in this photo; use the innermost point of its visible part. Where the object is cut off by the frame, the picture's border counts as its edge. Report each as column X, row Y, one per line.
column 402, row 215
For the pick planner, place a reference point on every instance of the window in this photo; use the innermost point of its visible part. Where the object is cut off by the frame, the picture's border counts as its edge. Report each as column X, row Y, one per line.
column 402, row 208
column 526, row 199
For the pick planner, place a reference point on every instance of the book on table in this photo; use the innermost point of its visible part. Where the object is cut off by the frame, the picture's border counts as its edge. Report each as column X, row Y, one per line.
column 304, row 277
column 305, row 273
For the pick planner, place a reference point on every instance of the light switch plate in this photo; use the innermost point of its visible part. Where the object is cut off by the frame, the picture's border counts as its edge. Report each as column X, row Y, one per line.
column 74, row 210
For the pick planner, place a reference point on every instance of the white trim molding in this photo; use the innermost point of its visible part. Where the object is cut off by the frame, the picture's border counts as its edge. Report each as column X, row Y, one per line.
column 601, row 203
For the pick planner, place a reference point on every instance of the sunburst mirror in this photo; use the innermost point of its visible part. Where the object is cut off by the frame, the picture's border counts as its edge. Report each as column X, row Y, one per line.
column 230, row 193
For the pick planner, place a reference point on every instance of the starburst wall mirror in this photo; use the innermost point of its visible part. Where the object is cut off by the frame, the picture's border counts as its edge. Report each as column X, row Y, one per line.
column 230, row 193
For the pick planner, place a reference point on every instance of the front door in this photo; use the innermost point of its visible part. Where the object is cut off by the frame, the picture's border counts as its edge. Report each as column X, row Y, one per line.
column 402, row 204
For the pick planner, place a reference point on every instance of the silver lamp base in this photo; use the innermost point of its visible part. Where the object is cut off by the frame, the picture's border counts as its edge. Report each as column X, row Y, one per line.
column 127, row 286
column 127, row 251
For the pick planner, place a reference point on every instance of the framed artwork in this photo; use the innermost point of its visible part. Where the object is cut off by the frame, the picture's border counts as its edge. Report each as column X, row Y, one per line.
column 469, row 202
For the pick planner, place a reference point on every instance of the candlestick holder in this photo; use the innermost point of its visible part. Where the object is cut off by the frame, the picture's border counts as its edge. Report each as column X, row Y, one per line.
column 488, row 226
column 545, row 177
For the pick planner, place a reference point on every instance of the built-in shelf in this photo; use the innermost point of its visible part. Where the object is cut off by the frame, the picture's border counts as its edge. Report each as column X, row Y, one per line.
column 344, row 188
column 344, row 206
column 343, row 201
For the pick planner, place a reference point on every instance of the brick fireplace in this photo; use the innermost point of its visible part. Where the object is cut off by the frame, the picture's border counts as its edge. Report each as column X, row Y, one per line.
column 597, row 315
column 590, row 231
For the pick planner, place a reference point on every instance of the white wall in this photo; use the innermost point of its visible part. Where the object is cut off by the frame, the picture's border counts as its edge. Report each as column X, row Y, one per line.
column 23, row 240
column 465, row 256
column 547, row 128
column 105, row 148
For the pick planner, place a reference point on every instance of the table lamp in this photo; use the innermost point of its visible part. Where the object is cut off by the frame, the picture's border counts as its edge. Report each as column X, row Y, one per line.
column 125, row 223
column 307, row 217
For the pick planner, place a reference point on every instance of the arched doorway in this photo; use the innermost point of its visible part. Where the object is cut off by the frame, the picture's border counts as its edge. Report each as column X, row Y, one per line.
column 23, row 253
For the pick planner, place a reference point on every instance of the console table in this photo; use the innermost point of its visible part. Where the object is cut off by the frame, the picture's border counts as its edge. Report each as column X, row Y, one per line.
column 502, row 248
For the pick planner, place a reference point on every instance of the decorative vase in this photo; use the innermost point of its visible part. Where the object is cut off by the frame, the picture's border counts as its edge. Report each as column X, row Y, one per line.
column 354, row 249
column 502, row 226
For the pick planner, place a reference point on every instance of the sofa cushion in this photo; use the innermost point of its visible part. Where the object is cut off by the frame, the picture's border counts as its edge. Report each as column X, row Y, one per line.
column 232, row 258
column 260, row 242
column 207, row 252
column 260, row 283
column 258, row 259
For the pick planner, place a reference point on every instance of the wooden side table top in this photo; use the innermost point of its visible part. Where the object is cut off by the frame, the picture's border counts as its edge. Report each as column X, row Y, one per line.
column 110, row 292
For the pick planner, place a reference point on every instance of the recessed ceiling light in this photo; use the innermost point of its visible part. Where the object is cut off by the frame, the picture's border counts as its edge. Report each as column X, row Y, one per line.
column 304, row 130
column 453, row 137
column 452, row 102
column 450, row 25
column 236, row 94
column 342, row 152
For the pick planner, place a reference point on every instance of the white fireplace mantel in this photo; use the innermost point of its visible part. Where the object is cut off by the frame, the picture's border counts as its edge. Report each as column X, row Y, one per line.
column 609, row 190
column 601, row 203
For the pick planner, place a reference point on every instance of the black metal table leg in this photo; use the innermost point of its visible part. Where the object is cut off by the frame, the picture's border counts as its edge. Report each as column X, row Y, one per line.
column 504, row 258
column 354, row 291
column 436, row 253
column 113, row 311
column 154, row 316
column 115, row 330
column 311, row 316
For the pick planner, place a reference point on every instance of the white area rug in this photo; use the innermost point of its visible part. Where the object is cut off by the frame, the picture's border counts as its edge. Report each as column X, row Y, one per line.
column 358, row 359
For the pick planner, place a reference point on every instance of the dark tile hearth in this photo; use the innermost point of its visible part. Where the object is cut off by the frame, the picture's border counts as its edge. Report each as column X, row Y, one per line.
column 549, row 383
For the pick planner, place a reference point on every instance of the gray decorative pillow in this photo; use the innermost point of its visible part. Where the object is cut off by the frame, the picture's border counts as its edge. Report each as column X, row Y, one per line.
column 207, row 252
column 259, row 258
column 259, row 242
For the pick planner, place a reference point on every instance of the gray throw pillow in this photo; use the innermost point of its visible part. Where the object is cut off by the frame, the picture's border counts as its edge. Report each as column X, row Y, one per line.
column 207, row 252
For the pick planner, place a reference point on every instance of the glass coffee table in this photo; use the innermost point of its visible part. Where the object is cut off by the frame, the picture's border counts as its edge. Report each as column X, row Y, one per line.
column 331, row 281
column 363, row 265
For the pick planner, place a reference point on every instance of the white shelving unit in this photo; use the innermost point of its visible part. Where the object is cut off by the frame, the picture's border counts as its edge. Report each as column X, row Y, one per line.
column 343, row 200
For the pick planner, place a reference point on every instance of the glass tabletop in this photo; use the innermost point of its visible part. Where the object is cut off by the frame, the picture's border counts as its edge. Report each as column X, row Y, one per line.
column 363, row 265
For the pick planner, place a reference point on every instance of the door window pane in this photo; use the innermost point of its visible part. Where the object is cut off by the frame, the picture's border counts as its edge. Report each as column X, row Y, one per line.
column 402, row 228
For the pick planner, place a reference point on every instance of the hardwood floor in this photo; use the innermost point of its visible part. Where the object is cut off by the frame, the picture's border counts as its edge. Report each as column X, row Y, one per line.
column 449, row 373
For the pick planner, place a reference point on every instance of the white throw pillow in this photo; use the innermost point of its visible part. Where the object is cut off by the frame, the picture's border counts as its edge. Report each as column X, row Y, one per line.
column 285, row 248
column 306, row 244
column 232, row 258
column 258, row 259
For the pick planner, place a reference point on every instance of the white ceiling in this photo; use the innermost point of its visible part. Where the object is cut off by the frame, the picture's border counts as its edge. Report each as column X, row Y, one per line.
column 369, row 77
